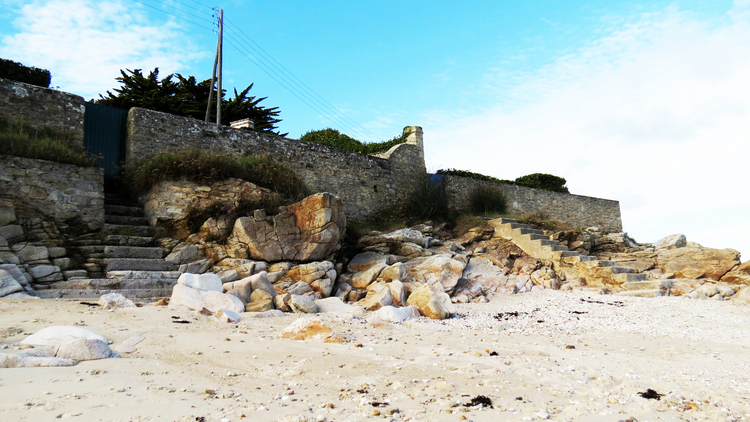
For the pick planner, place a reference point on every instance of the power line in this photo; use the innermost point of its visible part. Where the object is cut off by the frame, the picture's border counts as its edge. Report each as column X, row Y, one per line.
column 178, row 17
column 329, row 114
column 270, row 67
column 298, row 82
column 333, row 118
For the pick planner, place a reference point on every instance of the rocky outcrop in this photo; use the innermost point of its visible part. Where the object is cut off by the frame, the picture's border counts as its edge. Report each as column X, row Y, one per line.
column 309, row 230
column 698, row 262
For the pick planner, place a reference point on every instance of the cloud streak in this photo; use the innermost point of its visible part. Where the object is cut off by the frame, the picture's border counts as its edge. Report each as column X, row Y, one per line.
column 656, row 114
column 85, row 43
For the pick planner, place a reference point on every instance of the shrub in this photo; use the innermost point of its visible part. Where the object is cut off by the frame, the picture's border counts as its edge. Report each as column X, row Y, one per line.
column 30, row 75
column 486, row 200
column 472, row 175
column 203, row 167
column 543, row 181
column 541, row 221
column 20, row 139
column 426, row 201
column 337, row 139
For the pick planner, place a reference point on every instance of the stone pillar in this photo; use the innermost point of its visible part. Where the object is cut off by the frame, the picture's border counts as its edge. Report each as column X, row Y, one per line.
column 415, row 138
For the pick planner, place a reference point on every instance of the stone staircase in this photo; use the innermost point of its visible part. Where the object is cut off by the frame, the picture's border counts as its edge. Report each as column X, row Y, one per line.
column 124, row 259
column 598, row 273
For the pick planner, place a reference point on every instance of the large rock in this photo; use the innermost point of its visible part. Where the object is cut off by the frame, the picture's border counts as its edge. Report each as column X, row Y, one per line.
column 302, row 304
column 56, row 336
column 260, row 301
column 308, row 230
column 431, row 302
column 396, row 315
column 183, row 295
column 85, row 349
column 8, row 284
column 378, row 295
column 22, row 360
column 742, row 297
column 483, row 271
column 115, row 301
column 674, row 241
column 441, row 269
column 319, row 275
column 739, row 275
column 205, row 282
column 310, row 328
column 400, row 236
column 698, row 262
column 366, row 260
column 393, row 272
column 362, row 279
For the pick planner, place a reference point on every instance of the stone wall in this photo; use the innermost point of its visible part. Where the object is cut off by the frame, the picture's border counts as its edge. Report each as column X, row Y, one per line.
column 64, row 193
column 583, row 211
column 42, row 107
column 365, row 183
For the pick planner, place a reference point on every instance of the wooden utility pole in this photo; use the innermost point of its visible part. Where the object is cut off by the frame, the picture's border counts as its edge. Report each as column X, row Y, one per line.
column 220, row 54
column 217, row 63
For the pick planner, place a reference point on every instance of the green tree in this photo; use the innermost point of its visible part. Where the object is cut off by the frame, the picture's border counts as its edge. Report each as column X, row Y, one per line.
column 185, row 96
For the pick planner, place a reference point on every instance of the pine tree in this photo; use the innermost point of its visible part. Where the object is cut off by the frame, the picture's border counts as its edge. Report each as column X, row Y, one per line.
column 187, row 97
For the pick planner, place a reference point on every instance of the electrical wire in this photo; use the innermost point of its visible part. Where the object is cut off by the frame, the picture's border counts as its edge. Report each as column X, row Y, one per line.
column 297, row 81
column 303, row 96
column 266, row 63
column 333, row 118
column 178, row 17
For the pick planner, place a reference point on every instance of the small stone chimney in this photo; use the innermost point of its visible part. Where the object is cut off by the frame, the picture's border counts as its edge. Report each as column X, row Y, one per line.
column 415, row 138
column 242, row 124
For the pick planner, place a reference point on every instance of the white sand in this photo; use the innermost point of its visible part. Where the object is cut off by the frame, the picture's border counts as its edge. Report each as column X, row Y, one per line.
column 697, row 353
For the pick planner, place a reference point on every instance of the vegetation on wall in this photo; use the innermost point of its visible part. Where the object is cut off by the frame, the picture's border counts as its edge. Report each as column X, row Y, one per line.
column 543, row 181
column 337, row 139
column 535, row 180
column 486, row 200
column 22, row 140
column 472, row 175
column 27, row 74
column 185, row 96
column 202, row 167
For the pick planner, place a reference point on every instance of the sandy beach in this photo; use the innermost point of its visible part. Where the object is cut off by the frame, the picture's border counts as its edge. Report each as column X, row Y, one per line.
column 542, row 355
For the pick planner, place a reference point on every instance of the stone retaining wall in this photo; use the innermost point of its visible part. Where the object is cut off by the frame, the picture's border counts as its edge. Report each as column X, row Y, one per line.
column 365, row 183
column 64, row 193
column 583, row 211
column 42, row 107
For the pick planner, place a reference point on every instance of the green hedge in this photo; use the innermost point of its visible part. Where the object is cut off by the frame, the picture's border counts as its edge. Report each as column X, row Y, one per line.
column 30, row 75
column 535, row 180
column 337, row 139
column 543, row 181
column 472, row 175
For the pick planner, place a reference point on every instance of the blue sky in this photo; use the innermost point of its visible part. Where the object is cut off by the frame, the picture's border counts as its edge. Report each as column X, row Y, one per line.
column 644, row 102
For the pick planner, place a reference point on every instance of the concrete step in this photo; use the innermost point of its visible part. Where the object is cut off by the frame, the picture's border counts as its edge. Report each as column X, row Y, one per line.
column 587, row 258
column 128, row 230
column 528, row 231
column 133, row 252
column 606, row 264
column 535, row 236
column 114, row 284
column 123, row 210
column 143, row 294
column 629, row 277
column 546, row 242
column 558, row 247
column 125, row 220
column 150, row 275
column 641, row 293
column 115, row 264
column 568, row 254
column 123, row 240
column 508, row 220
column 647, row 285
column 621, row 270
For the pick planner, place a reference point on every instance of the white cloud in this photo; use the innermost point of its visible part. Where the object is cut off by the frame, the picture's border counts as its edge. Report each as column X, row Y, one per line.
column 85, row 43
column 655, row 114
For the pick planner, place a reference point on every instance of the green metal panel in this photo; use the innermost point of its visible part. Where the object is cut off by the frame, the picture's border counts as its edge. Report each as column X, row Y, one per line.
column 104, row 136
